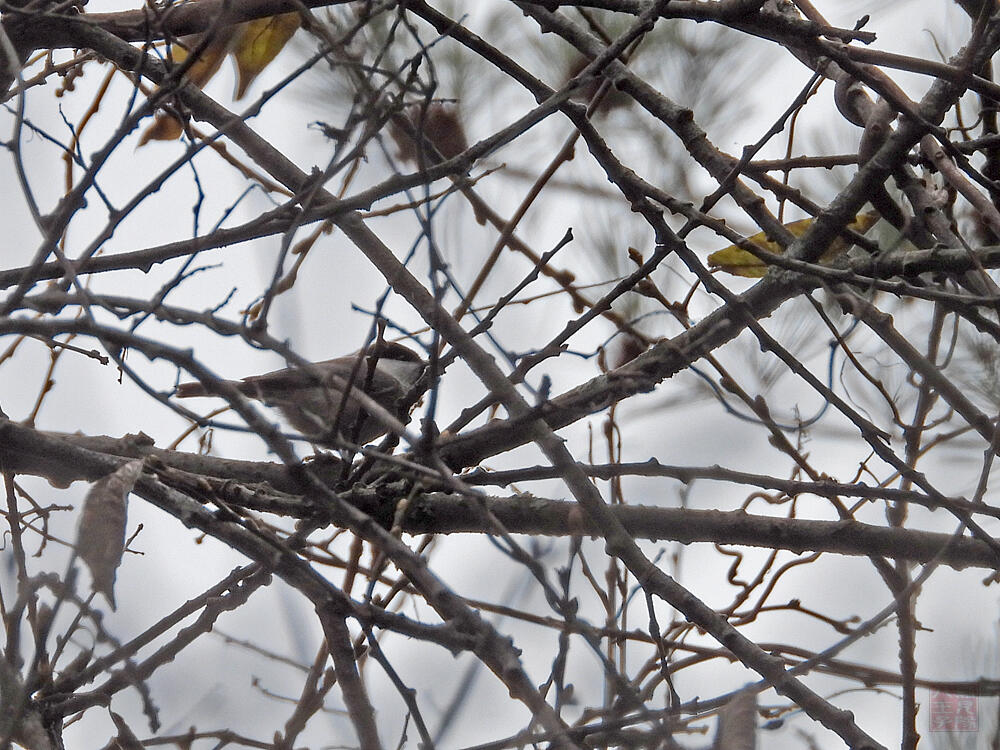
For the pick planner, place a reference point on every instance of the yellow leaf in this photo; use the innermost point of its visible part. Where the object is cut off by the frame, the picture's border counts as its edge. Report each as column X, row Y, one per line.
column 740, row 262
column 252, row 45
column 208, row 61
column 257, row 43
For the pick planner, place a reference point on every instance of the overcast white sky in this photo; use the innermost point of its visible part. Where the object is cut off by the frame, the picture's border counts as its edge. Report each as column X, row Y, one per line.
column 958, row 611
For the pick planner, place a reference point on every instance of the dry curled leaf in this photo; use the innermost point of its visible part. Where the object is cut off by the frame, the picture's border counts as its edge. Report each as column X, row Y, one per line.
column 100, row 538
column 737, row 728
column 439, row 123
column 165, row 127
column 739, row 262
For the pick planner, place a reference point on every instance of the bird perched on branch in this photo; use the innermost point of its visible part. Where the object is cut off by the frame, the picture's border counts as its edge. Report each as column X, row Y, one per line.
column 312, row 398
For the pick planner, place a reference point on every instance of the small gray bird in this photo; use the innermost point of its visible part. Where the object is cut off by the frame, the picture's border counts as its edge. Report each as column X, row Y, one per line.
column 310, row 398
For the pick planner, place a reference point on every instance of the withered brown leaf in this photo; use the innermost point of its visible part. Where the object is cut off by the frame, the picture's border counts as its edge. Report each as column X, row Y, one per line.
column 100, row 537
